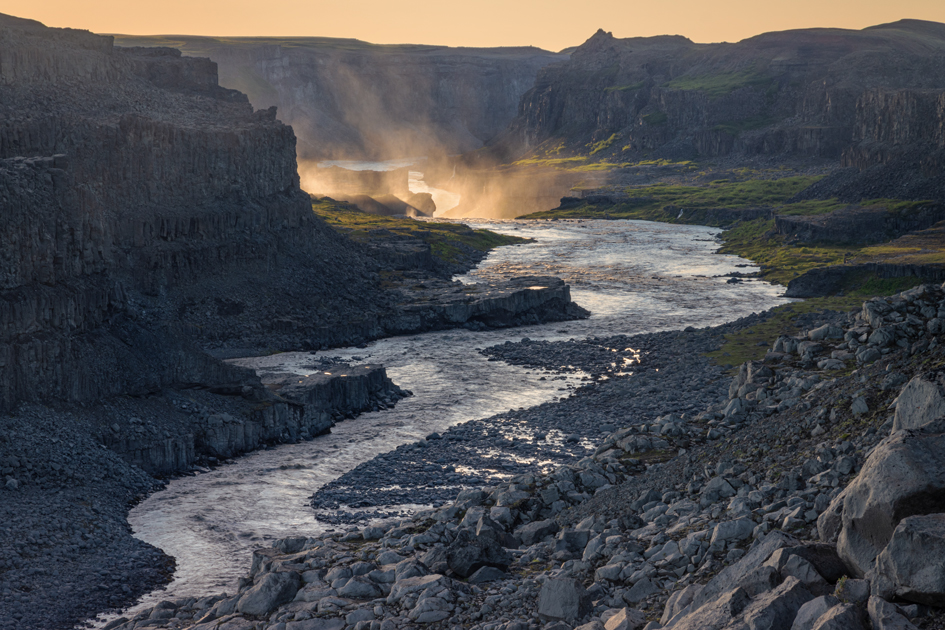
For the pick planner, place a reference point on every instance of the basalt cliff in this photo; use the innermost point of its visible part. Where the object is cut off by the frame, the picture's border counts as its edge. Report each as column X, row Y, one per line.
column 860, row 99
column 348, row 99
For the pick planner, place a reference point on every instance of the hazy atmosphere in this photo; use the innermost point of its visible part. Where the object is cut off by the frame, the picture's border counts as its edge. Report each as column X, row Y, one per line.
column 472, row 316
column 549, row 24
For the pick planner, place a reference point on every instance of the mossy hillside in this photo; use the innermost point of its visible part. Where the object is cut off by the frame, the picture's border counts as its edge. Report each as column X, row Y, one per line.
column 447, row 240
column 650, row 202
column 721, row 83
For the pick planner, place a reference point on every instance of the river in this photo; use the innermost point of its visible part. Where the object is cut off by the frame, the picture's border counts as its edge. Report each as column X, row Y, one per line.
column 633, row 276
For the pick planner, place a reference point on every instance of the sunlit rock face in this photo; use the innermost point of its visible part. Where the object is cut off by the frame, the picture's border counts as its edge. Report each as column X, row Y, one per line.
column 865, row 97
column 351, row 99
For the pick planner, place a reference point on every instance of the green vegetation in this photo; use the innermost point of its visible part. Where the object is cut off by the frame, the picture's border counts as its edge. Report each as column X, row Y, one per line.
column 651, row 202
column 720, row 84
column 447, row 240
column 656, row 119
column 780, row 261
column 749, row 124
column 603, row 145
column 626, row 88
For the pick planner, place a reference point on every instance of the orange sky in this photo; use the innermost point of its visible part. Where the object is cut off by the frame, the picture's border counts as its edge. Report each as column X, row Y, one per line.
column 550, row 24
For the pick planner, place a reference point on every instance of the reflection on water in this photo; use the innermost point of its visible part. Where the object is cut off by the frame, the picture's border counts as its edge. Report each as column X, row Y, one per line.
column 634, row 276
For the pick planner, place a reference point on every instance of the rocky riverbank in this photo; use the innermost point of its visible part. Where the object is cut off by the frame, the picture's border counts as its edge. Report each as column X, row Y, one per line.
column 802, row 493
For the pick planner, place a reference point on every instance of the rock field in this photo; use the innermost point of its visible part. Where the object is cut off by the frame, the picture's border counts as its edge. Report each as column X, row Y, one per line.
column 808, row 493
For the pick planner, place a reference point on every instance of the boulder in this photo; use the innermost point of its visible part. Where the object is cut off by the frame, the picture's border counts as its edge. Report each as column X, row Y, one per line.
column 626, row 619
column 904, row 476
column 740, row 529
column 913, row 563
column 921, row 401
column 809, row 613
column 853, row 591
column 841, row 617
column 487, row 574
column 886, row 616
column 402, row 588
column 563, row 600
column 678, row 601
column 715, row 614
column 316, row 624
column 640, row 591
column 536, row 531
column 270, row 591
column 728, row 579
column 469, row 553
column 776, row 610
column 760, row 580
column 360, row 588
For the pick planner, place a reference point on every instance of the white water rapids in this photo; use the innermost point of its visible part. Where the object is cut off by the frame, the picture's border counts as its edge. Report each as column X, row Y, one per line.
column 633, row 276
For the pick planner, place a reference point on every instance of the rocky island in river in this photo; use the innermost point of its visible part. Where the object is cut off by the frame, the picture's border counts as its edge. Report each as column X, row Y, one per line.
column 781, row 471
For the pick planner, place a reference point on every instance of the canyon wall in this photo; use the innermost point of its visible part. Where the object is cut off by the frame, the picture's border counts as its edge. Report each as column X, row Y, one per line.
column 146, row 208
column 863, row 97
column 350, row 99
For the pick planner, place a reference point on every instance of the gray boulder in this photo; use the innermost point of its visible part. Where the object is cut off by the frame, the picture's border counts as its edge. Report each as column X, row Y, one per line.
column 776, row 610
column 904, row 475
column 886, row 616
column 913, row 563
column 469, row 553
column 813, row 610
column 729, row 578
column 921, row 401
column 536, row 531
column 740, row 529
column 640, row 591
column 270, row 591
column 853, row 591
column 360, row 588
column 714, row 615
column 563, row 600
column 841, row 617
column 760, row 580
column 626, row 619
column 678, row 602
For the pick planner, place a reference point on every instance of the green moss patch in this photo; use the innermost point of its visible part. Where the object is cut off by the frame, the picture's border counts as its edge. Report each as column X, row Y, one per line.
column 447, row 240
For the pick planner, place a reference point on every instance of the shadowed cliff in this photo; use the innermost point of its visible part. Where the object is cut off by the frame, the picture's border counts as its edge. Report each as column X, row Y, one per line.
column 145, row 206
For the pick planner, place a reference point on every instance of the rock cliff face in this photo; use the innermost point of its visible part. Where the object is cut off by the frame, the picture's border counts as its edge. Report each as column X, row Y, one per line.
column 862, row 96
column 351, row 99
column 135, row 191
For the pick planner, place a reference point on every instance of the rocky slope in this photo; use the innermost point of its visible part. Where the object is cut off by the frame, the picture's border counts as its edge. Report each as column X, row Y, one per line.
column 861, row 97
column 808, row 498
column 351, row 99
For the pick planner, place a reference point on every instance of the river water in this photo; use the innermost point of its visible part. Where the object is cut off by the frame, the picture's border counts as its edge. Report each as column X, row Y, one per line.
column 633, row 276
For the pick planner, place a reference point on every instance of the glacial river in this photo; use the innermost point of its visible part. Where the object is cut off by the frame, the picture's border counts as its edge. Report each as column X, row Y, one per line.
column 633, row 276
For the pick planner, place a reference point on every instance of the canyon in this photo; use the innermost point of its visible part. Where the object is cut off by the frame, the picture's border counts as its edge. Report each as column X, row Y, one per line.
column 348, row 99
column 154, row 229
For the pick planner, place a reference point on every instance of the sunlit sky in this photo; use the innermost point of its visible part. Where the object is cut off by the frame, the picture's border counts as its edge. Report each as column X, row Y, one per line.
column 550, row 24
